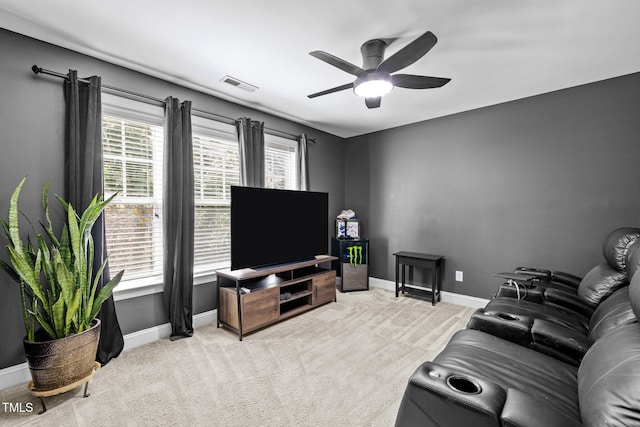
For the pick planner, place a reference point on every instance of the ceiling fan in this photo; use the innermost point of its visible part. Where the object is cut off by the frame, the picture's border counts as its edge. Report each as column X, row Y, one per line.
column 374, row 79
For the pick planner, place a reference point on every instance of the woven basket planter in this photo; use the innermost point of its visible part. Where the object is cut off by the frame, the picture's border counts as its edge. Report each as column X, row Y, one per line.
column 57, row 363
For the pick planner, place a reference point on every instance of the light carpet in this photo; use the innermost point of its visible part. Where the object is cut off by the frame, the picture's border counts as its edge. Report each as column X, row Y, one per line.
column 343, row 364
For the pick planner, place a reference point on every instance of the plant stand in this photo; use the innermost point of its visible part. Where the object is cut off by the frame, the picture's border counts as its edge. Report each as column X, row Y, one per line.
column 46, row 393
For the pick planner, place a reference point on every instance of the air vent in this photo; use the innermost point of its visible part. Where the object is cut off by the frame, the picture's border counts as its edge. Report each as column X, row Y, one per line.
column 239, row 83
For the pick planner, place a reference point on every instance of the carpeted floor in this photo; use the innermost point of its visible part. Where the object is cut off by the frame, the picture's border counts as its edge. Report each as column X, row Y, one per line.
column 343, row 364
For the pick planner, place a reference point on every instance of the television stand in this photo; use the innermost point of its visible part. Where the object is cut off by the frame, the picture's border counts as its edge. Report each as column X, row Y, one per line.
column 251, row 299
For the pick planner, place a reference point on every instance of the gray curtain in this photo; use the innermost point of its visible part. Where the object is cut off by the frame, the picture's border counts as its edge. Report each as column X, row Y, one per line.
column 251, row 149
column 178, row 211
column 303, row 162
column 83, row 180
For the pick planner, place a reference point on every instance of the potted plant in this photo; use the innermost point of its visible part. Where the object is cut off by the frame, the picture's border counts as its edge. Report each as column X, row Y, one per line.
column 58, row 291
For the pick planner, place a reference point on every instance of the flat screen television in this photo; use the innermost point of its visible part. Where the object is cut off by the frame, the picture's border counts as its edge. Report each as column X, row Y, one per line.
column 271, row 227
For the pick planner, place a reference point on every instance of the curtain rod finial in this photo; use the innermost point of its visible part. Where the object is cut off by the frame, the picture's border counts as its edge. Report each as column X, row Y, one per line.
column 36, row 70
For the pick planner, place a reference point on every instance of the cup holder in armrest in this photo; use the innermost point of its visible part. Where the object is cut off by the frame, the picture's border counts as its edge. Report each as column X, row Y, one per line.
column 506, row 316
column 463, row 384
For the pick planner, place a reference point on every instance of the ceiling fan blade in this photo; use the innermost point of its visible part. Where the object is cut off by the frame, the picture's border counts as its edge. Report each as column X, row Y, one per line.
column 332, row 90
column 373, row 102
column 410, row 81
column 337, row 62
column 409, row 54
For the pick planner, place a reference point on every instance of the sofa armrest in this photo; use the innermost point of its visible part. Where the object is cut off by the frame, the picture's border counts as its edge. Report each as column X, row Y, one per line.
column 522, row 410
column 548, row 275
column 437, row 396
column 569, row 301
column 566, row 278
column 540, row 273
column 514, row 328
column 559, row 341
column 552, row 276
column 523, row 279
column 533, row 294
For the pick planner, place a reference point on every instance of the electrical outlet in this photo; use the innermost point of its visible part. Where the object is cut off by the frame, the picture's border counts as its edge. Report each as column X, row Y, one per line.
column 459, row 276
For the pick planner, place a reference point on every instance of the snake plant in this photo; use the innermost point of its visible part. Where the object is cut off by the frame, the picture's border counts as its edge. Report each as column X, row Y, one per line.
column 55, row 274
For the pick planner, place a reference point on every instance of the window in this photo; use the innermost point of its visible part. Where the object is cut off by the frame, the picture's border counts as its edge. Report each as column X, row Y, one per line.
column 216, row 168
column 280, row 158
column 132, row 139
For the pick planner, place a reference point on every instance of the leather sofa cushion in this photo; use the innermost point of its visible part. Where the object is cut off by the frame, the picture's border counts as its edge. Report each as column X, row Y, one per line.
column 609, row 379
column 611, row 313
column 478, row 354
column 616, row 244
column 600, row 282
column 634, row 294
column 521, row 409
column 534, row 310
column 632, row 260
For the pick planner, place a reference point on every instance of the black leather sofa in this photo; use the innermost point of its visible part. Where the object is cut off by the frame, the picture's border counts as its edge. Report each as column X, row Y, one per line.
column 561, row 331
column 581, row 294
column 480, row 379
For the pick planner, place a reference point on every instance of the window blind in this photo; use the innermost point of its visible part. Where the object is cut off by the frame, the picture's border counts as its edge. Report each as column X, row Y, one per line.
column 132, row 139
column 216, row 167
column 281, row 166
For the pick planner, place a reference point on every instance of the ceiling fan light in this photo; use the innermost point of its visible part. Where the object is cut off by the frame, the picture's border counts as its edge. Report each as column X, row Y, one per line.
column 373, row 88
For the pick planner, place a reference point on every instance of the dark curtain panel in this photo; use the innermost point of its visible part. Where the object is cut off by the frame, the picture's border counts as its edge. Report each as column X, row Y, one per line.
column 251, row 145
column 83, row 180
column 303, row 162
column 178, row 210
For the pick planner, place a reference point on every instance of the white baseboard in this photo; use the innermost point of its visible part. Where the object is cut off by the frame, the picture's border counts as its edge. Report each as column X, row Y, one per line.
column 450, row 297
column 14, row 375
column 160, row 332
column 19, row 374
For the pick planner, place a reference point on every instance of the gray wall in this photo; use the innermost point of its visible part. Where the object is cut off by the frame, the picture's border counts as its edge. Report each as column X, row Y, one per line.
column 538, row 181
column 31, row 123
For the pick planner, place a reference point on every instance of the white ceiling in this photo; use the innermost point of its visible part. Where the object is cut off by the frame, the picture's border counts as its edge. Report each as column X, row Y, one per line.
column 493, row 50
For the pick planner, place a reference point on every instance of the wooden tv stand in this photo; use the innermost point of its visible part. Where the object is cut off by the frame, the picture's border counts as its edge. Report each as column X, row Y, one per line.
column 275, row 293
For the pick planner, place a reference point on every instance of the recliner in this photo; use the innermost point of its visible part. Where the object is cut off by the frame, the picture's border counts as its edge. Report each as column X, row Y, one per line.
column 482, row 380
column 614, row 250
column 555, row 330
column 563, row 289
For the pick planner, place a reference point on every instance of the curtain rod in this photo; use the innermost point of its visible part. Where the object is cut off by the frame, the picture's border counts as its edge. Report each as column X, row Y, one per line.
column 39, row 70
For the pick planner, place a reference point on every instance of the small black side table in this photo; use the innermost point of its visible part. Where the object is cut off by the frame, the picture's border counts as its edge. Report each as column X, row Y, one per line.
column 415, row 259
